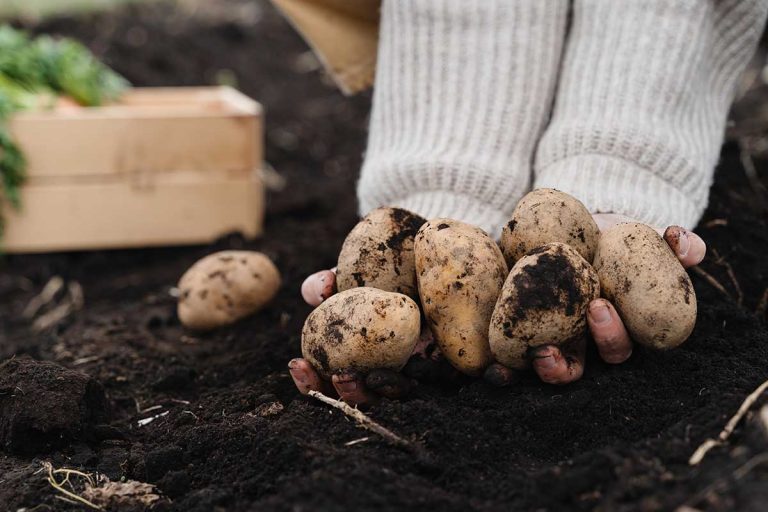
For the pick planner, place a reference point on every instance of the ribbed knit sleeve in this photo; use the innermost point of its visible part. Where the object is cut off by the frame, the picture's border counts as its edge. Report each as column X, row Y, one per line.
column 642, row 101
column 463, row 91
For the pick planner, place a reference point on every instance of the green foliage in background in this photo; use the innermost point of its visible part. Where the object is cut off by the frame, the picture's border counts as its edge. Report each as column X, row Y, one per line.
column 34, row 73
column 35, row 9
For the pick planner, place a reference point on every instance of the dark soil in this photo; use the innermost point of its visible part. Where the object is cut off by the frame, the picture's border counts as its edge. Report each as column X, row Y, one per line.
column 237, row 436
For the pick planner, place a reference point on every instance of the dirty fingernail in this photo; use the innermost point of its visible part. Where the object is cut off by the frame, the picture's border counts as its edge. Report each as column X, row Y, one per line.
column 683, row 244
column 600, row 314
column 292, row 364
column 347, row 387
column 546, row 362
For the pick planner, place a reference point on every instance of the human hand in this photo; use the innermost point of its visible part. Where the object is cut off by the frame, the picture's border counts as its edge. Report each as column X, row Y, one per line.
column 556, row 366
column 353, row 388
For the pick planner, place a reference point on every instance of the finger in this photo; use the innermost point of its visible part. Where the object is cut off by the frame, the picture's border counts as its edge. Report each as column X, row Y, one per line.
column 388, row 383
column 318, row 287
column 556, row 367
column 499, row 375
column 426, row 346
column 689, row 248
column 608, row 331
column 305, row 377
column 351, row 389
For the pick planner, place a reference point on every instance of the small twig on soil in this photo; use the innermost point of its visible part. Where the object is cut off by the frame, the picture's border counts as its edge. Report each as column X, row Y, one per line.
column 365, row 421
column 146, row 421
column 751, row 172
column 731, row 274
column 71, row 303
column 711, row 280
column 707, row 445
column 720, row 484
column 762, row 306
column 59, row 486
column 142, row 410
column 49, row 291
column 716, row 223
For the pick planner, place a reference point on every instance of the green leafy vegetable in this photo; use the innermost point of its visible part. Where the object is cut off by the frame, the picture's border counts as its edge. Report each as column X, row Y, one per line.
column 34, row 73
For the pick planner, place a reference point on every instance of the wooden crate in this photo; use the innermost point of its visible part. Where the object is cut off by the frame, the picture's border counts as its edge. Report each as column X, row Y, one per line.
column 164, row 166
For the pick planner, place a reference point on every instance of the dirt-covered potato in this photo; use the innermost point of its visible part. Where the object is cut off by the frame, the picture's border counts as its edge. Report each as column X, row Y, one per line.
column 224, row 287
column 378, row 252
column 460, row 271
column 546, row 215
column 359, row 330
column 544, row 301
column 646, row 283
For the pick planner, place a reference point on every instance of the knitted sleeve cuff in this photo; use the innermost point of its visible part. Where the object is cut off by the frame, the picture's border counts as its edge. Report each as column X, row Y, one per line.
column 434, row 204
column 607, row 184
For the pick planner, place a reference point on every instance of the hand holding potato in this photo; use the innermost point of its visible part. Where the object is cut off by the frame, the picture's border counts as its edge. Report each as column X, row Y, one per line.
column 613, row 340
column 547, row 215
column 639, row 270
column 378, row 253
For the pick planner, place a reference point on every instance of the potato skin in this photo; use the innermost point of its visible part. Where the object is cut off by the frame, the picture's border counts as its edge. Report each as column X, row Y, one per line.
column 460, row 271
column 378, row 252
column 546, row 215
column 647, row 285
column 360, row 330
column 224, row 287
column 544, row 301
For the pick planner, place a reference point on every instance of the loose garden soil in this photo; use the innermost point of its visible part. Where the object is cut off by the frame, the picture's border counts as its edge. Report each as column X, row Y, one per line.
column 237, row 436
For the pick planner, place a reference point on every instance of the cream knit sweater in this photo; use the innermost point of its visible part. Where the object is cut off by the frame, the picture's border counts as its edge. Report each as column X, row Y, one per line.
column 476, row 101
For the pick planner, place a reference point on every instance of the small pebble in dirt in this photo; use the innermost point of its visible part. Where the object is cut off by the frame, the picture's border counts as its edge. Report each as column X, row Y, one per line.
column 44, row 405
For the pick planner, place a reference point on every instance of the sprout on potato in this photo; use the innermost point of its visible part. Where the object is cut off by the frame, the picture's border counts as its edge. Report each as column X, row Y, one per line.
column 224, row 287
column 543, row 302
column 460, row 271
column 546, row 215
column 378, row 252
column 360, row 330
column 646, row 283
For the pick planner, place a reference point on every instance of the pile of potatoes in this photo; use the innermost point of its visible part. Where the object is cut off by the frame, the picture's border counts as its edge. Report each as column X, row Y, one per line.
column 486, row 302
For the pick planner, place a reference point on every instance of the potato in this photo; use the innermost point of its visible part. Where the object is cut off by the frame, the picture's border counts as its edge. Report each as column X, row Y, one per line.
column 360, row 330
column 224, row 287
column 378, row 252
column 460, row 271
column 544, row 301
column 646, row 283
column 546, row 215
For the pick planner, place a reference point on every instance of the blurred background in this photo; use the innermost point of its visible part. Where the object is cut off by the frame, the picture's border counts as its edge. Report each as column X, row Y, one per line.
column 121, row 326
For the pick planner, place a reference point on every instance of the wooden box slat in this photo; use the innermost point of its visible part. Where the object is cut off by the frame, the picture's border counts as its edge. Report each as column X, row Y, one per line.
column 165, row 166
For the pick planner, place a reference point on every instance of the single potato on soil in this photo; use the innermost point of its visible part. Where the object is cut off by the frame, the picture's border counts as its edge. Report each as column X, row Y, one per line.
column 460, row 271
column 378, row 252
column 546, row 215
column 360, row 330
column 646, row 283
column 224, row 287
column 544, row 301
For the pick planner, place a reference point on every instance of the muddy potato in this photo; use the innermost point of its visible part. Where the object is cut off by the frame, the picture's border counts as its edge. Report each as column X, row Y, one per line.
column 646, row 283
column 546, row 215
column 224, row 287
column 543, row 302
column 378, row 252
column 460, row 271
column 360, row 330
